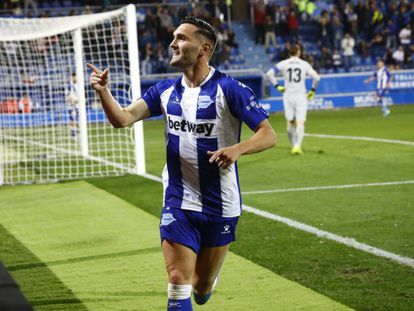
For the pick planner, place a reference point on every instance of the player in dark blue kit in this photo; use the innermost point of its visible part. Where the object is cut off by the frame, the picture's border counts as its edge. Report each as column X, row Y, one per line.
column 203, row 111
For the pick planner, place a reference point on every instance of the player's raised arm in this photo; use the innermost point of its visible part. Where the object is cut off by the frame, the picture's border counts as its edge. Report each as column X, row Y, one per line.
column 118, row 116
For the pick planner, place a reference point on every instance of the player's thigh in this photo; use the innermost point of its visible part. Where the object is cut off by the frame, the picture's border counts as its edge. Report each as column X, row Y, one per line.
column 289, row 107
column 180, row 262
column 301, row 108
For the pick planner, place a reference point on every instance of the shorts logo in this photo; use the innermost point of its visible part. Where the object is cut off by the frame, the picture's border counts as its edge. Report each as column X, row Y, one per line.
column 174, row 304
column 226, row 229
column 166, row 219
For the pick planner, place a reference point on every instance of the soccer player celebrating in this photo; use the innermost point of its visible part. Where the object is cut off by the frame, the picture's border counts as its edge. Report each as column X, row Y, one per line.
column 295, row 98
column 383, row 77
column 203, row 110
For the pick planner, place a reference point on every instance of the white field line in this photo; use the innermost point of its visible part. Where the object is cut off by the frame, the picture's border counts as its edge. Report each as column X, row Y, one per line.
column 330, row 236
column 373, row 139
column 321, row 233
column 75, row 153
column 375, row 184
column 325, row 234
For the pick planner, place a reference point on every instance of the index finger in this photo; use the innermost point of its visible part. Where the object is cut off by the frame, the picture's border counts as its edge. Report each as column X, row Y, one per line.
column 95, row 69
column 214, row 155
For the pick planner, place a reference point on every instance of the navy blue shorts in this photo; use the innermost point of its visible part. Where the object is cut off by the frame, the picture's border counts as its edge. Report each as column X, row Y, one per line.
column 73, row 114
column 195, row 229
column 381, row 92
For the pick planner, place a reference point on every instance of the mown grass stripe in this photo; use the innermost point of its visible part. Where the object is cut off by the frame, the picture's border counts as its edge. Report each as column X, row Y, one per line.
column 327, row 235
column 60, row 221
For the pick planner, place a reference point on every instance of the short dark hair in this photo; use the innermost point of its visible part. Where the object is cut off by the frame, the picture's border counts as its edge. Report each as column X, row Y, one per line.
column 294, row 49
column 204, row 28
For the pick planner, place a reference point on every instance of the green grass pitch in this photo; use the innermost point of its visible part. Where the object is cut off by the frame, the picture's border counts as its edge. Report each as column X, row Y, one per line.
column 93, row 244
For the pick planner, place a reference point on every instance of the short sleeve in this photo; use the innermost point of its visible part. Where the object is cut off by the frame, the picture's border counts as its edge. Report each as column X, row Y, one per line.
column 153, row 99
column 243, row 104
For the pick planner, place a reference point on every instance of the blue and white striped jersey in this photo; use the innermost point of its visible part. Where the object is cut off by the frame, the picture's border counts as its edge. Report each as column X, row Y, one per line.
column 383, row 77
column 198, row 120
column 72, row 95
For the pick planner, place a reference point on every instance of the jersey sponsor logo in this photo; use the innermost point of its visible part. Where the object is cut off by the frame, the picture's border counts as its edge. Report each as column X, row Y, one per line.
column 187, row 126
column 204, row 101
column 167, row 219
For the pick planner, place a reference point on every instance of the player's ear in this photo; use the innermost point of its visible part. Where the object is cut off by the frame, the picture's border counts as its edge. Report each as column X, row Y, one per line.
column 206, row 48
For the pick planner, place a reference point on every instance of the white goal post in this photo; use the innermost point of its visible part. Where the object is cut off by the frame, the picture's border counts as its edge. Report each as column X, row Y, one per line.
column 52, row 126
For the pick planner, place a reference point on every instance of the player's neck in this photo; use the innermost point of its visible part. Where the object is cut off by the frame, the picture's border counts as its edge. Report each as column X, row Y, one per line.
column 195, row 75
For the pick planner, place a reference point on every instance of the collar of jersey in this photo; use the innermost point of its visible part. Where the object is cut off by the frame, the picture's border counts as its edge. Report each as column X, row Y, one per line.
column 210, row 74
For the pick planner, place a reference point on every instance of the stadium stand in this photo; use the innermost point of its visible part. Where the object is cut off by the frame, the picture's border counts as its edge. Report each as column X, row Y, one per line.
column 379, row 29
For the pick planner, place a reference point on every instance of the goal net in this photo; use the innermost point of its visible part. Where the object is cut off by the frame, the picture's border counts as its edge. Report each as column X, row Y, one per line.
column 52, row 126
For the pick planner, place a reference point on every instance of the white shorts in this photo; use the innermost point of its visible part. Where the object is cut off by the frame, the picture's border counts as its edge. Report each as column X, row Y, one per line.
column 295, row 106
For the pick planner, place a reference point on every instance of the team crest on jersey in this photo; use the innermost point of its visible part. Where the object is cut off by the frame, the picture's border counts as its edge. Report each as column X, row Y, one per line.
column 167, row 218
column 204, row 101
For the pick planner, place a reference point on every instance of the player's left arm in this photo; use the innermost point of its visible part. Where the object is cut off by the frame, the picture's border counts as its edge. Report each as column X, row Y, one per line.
column 263, row 138
column 315, row 81
column 271, row 75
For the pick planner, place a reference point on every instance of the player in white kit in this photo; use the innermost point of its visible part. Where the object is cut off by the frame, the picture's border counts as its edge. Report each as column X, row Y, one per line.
column 295, row 98
column 203, row 111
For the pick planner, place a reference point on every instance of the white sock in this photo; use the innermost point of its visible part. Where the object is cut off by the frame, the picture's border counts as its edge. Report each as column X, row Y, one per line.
column 291, row 134
column 300, row 133
column 179, row 292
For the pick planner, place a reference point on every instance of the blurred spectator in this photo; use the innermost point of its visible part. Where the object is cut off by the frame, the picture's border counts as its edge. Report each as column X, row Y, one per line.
column 224, row 57
column 87, row 10
column 351, row 24
column 363, row 50
column 399, row 56
column 348, row 44
column 285, row 52
column 391, row 32
column 280, row 18
column 166, row 22
column 325, row 60
column 231, row 39
column 293, row 26
column 33, row 6
column 147, row 62
column 259, row 10
column 336, row 60
column 25, row 103
column 10, row 105
column 389, row 60
column 361, row 10
column 405, row 36
column 337, row 29
column 270, row 36
column 378, row 46
column 325, row 30
column 161, row 59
